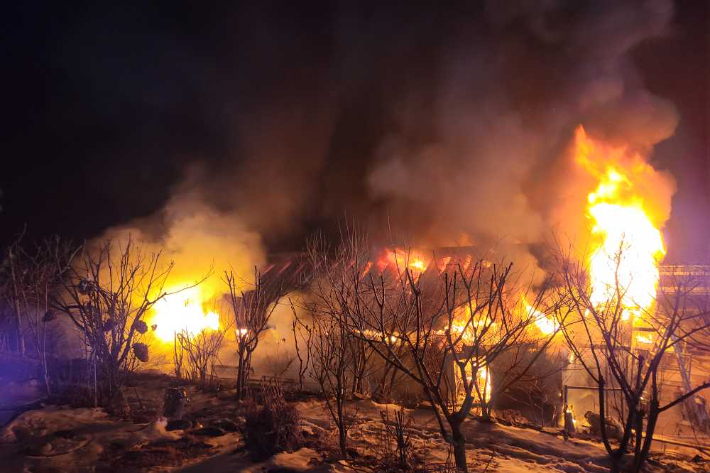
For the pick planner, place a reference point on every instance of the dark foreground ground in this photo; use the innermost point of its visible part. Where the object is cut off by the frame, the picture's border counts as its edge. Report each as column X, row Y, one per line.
column 59, row 438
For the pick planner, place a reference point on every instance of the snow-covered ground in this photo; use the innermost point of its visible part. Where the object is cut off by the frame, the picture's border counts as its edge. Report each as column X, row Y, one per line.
column 14, row 394
column 62, row 439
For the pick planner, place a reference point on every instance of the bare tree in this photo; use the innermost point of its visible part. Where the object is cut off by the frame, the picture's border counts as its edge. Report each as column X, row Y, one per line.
column 107, row 294
column 454, row 329
column 397, row 431
column 331, row 365
column 14, row 288
column 304, row 333
column 276, row 361
column 360, row 354
column 442, row 329
column 603, row 337
column 198, row 352
column 178, row 357
column 335, row 290
column 34, row 277
column 6, row 321
column 252, row 310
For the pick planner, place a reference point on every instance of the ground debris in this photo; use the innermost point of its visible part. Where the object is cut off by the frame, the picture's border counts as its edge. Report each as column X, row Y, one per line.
column 210, row 439
column 164, row 454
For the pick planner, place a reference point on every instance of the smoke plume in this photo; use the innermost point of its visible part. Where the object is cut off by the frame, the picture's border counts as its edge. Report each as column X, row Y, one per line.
column 507, row 102
column 434, row 128
column 443, row 129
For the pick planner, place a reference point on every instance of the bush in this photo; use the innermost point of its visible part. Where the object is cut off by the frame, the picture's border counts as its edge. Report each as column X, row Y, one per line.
column 273, row 427
column 395, row 447
column 75, row 395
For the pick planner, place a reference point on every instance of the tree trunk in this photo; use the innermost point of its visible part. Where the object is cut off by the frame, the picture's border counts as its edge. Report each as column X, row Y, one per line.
column 642, row 455
column 301, row 372
column 614, row 455
column 638, row 437
column 343, row 441
column 240, row 377
column 486, row 409
column 630, row 423
column 459, row 445
column 358, row 384
column 177, row 359
column 43, row 357
column 393, row 378
column 18, row 317
column 380, row 389
column 342, row 431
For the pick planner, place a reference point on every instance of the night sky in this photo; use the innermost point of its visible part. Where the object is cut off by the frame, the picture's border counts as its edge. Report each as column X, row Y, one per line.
column 280, row 108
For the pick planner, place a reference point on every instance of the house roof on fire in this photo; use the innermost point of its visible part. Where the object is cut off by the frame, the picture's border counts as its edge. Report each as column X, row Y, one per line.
column 293, row 270
column 286, row 271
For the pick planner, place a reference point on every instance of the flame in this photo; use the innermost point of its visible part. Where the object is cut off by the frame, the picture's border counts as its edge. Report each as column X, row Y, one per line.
column 240, row 332
column 627, row 242
column 402, row 259
column 459, row 328
column 483, row 379
column 443, row 263
column 182, row 311
column 546, row 325
column 417, row 264
column 469, row 327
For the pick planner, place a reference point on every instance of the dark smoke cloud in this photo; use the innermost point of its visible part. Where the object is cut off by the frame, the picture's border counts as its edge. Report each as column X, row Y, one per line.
column 505, row 104
column 447, row 126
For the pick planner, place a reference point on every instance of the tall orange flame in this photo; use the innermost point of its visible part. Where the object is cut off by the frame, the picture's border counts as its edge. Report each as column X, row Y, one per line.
column 627, row 241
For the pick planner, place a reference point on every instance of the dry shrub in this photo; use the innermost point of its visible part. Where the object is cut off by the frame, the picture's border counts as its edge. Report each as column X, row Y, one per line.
column 76, row 395
column 478, row 464
column 272, row 427
column 396, row 452
column 213, row 385
column 141, row 352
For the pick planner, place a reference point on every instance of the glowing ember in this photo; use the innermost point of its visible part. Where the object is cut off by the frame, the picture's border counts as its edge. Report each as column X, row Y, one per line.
column 182, row 311
column 628, row 245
